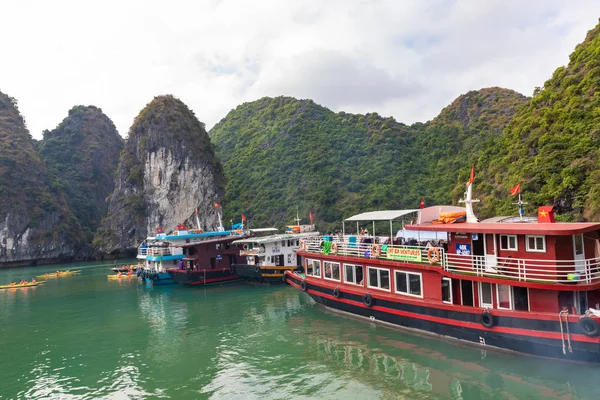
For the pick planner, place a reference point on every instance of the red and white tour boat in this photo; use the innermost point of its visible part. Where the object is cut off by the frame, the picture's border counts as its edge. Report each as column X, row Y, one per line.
column 529, row 285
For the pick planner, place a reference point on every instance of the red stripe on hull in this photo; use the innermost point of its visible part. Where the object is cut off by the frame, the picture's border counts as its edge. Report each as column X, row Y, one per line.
column 464, row 324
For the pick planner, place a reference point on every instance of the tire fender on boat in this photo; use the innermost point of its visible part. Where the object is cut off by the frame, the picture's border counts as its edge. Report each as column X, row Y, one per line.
column 283, row 278
column 375, row 250
column 336, row 292
column 257, row 269
column 589, row 326
column 154, row 277
column 368, row 299
column 486, row 319
column 303, row 286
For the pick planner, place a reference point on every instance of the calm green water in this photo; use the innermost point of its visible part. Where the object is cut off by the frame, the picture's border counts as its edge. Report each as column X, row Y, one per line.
column 85, row 337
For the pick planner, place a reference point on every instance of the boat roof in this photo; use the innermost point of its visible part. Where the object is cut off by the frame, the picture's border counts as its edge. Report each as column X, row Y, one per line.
column 162, row 236
column 514, row 228
column 385, row 215
column 221, row 239
column 276, row 238
column 260, row 230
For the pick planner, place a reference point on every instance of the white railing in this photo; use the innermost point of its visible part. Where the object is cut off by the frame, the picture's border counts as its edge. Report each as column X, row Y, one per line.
column 369, row 250
column 508, row 268
column 159, row 251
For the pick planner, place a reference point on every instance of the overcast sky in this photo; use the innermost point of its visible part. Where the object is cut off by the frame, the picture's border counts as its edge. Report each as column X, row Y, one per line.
column 401, row 58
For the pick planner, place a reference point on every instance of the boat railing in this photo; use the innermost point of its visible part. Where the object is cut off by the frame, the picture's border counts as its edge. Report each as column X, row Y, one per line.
column 159, row 251
column 508, row 268
column 525, row 270
column 368, row 249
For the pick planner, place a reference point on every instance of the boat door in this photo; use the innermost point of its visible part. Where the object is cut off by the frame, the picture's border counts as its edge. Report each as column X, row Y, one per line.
column 477, row 244
column 579, row 253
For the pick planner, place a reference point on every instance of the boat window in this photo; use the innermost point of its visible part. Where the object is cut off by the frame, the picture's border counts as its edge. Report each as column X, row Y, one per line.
column 409, row 283
column 353, row 274
column 332, row 270
column 536, row 243
column 379, row 278
column 521, row 298
column 447, row 290
column 466, row 292
column 313, row 268
column 504, row 297
column 509, row 242
column 485, row 295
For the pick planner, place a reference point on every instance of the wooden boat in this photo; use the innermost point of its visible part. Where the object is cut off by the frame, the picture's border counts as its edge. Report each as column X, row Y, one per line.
column 519, row 284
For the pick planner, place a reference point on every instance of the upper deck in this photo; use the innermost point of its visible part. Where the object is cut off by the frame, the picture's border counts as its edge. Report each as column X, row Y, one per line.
column 535, row 270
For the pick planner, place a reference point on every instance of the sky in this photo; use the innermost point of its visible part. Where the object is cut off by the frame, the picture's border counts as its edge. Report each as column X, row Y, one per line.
column 406, row 59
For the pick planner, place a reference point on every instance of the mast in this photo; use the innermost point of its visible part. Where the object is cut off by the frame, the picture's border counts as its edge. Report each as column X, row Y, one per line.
column 198, row 220
column 220, row 228
column 469, row 199
column 297, row 217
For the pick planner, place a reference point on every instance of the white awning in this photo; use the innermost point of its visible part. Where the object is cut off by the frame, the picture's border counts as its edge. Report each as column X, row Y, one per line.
column 387, row 215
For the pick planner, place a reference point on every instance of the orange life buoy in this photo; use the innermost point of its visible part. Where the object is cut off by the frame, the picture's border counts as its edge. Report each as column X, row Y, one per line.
column 245, row 246
column 433, row 255
column 334, row 248
column 376, row 250
column 302, row 245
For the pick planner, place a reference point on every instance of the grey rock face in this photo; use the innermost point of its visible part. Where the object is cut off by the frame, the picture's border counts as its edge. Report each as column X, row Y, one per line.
column 167, row 170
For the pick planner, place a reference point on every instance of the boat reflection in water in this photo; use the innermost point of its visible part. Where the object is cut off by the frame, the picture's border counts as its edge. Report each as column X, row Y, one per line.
column 402, row 364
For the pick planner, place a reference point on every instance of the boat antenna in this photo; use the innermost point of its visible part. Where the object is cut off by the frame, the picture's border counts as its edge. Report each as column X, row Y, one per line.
column 469, row 198
column 297, row 217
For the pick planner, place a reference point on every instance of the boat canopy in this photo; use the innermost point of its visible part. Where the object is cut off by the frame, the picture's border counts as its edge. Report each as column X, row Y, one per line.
column 276, row 238
column 385, row 215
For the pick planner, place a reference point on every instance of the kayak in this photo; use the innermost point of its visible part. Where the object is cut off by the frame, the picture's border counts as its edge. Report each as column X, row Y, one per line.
column 60, row 273
column 120, row 276
column 19, row 285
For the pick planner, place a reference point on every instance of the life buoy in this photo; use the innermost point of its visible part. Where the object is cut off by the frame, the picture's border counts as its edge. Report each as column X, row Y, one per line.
column 433, row 255
column 375, row 250
column 368, row 299
column 334, row 248
column 589, row 326
column 245, row 246
column 487, row 319
column 336, row 292
column 302, row 245
column 303, row 286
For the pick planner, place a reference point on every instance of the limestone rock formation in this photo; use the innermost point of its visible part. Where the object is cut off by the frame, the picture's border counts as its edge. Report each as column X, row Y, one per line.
column 167, row 170
column 36, row 225
column 83, row 153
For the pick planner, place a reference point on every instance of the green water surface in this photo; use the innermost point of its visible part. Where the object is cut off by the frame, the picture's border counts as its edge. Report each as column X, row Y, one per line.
column 85, row 337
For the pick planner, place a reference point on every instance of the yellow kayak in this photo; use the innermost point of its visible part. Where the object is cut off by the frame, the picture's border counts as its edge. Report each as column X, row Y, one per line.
column 19, row 285
column 120, row 276
column 59, row 273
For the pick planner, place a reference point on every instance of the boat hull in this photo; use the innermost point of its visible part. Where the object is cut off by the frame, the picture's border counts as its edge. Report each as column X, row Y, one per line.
column 157, row 278
column 203, row 277
column 254, row 273
column 523, row 335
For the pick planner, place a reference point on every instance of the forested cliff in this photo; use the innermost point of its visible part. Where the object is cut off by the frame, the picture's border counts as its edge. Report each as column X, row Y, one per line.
column 269, row 156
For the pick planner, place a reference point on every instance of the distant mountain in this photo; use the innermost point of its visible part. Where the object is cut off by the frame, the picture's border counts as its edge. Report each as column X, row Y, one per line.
column 167, row 170
column 279, row 153
column 83, row 153
column 552, row 145
column 35, row 222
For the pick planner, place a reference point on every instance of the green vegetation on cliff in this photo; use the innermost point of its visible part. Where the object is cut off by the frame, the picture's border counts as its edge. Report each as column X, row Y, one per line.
column 551, row 147
column 26, row 193
column 82, row 154
column 279, row 153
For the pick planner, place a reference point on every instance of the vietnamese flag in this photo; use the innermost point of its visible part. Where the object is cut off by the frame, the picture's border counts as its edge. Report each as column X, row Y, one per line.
column 310, row 216
column 243, row 218
column 422, row 204
column 217, row 205
column 472, row 177
column 515, row 190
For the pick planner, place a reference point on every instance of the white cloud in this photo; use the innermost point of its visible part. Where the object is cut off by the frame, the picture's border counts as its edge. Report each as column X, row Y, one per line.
column 406, row 59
